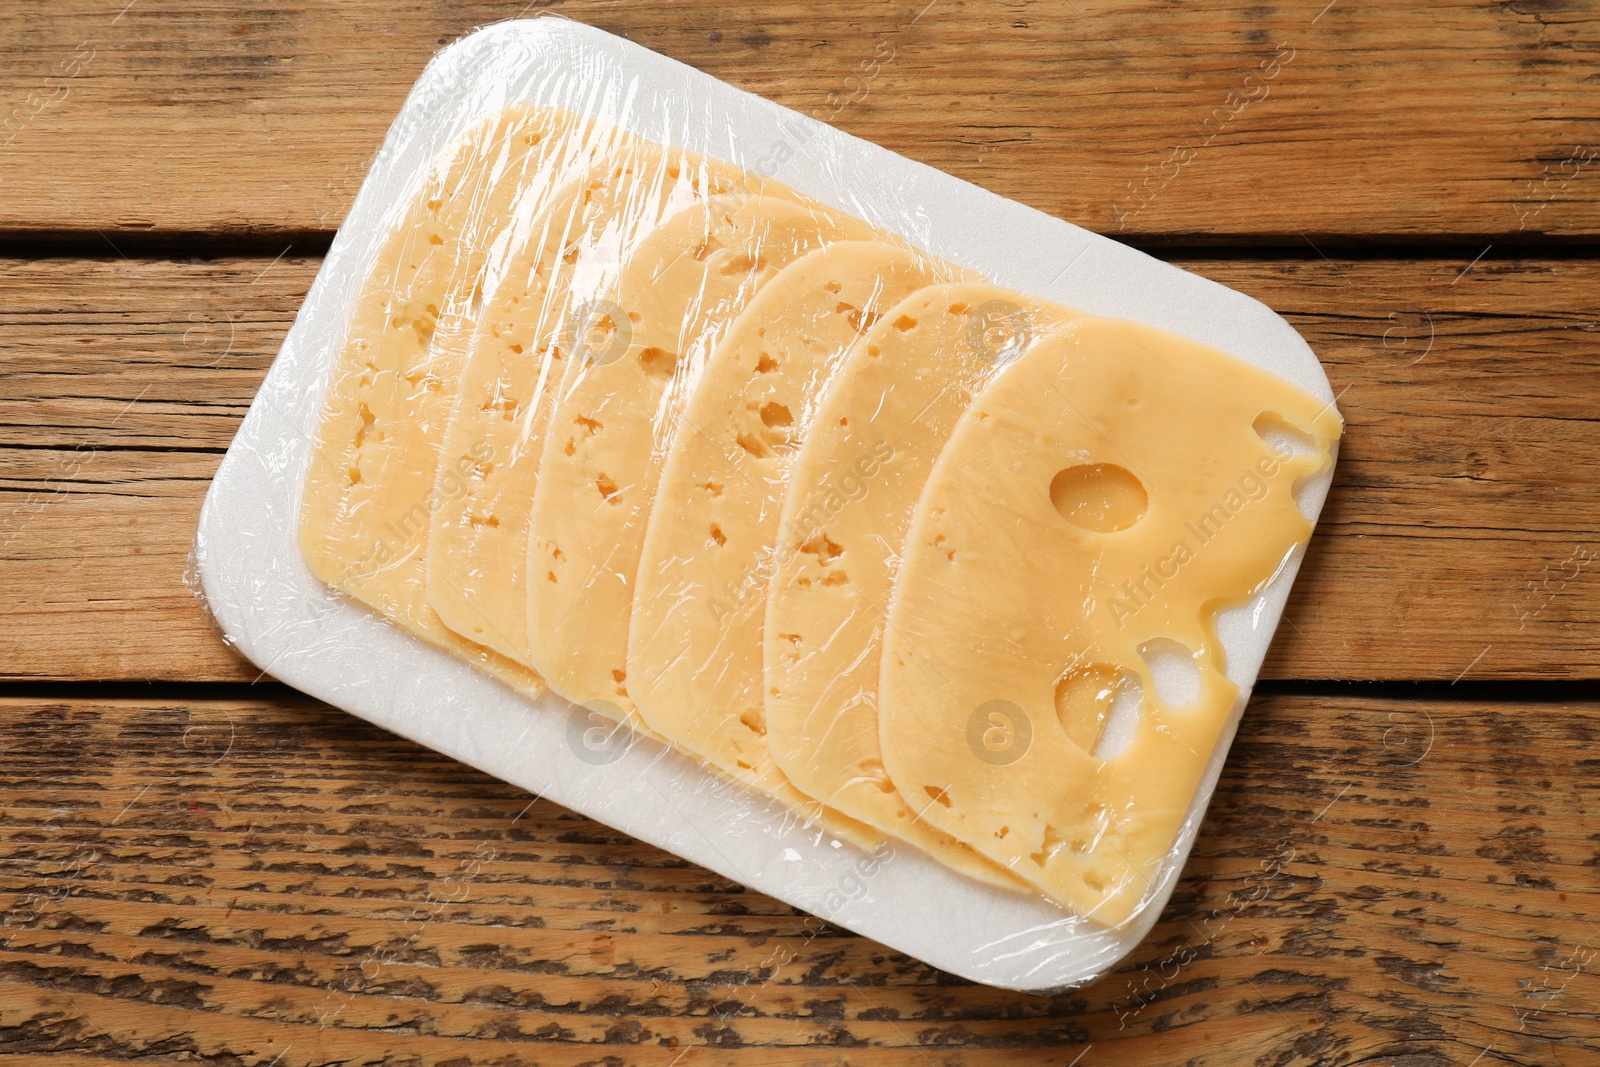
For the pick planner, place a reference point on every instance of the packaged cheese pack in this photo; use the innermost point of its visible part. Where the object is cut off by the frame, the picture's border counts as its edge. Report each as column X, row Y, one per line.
column 886, row 546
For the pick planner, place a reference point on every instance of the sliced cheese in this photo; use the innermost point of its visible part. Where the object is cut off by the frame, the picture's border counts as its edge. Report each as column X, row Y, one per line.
column 370, row 490
column 554, row 277
column 694, row 647
column 859, row 472
column 1104, row 496
column 615, row 416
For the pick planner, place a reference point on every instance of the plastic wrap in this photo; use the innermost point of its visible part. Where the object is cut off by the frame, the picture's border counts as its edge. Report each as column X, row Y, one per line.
column 776, row 500
column 845, row 514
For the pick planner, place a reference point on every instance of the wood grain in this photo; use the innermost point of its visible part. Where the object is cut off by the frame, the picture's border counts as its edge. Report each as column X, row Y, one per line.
column 1401, row 882
column 1460, row 535
column 1381, row 878
column 1150, row 119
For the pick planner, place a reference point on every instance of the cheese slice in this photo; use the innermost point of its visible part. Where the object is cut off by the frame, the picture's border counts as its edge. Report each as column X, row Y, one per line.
column 694, row 647
column 859, row 472
column 370, row 489
column 477, row 549
column 1100, row 501
column 615, row 416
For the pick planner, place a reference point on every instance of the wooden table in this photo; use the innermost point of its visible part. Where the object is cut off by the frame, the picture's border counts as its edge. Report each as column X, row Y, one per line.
column 1402, row 861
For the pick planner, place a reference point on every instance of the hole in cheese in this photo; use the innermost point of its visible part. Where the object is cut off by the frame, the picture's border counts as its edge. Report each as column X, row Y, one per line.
column 1117, row 734
column 1084, row 697
column 718, row 536
column 821, row 546
column 1286, row 441
column 755, row 444
column 607, row 487
column 1282, row 437
column 860, row 319
column 1049, row 846
column 1173, row 670
column 904, row 323
column 766, row 364
column 599, row 330
column 658, row 362
column 741, row 264
column 367, row 419
column 774, row 435
column 872, row 771
column 1101, row 497
column 498, row 403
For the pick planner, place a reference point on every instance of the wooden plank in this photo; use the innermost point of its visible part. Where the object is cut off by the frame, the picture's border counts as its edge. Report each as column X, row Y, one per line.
column 1377, row 881
column 121, row 383
column 1222, row 121
column 1459, row 538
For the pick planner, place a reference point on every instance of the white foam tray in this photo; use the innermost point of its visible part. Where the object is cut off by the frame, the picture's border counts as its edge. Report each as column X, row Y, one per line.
column 295, row 629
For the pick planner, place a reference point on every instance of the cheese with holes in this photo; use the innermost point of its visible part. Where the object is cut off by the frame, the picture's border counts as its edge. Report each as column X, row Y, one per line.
column 370, row 489
column 616, row 414
column 860, row 469
column 694, row 644
column 540, row 305
column 910, row 553
column 1107, row 493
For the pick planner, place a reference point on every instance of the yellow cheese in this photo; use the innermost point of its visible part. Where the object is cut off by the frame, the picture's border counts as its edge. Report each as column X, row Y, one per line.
column 477, row 550
column 1104, row 496
column 885, row 547
column 860, row 469
column 613, row 419
column 694, row 649
column 371, row 485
